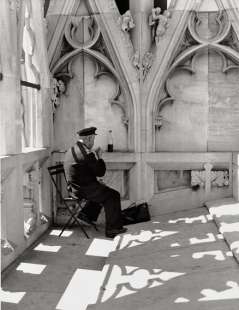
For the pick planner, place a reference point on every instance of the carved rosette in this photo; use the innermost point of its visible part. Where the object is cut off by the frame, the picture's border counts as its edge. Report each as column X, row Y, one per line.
column 94, row 47
column 223, row 41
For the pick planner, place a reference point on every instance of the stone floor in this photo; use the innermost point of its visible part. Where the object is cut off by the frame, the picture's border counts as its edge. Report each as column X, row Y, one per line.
column 175, row 261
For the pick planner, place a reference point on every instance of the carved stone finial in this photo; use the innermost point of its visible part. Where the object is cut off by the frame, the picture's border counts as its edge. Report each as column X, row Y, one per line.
column 127, row 21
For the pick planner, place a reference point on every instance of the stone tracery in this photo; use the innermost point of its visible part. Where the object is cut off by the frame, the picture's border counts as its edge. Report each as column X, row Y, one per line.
column 94, row 48
column 194, row 43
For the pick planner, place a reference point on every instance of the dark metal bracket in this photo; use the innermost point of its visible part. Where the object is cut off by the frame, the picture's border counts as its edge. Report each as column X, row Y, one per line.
column 32, row 85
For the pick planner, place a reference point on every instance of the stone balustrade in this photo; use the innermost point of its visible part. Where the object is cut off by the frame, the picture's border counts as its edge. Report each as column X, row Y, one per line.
column 25, row 201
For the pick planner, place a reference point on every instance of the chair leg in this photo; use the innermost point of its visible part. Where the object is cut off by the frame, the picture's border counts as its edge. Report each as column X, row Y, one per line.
column 66, row 225
column 81, row 227
column 73, row 216
column 95, row 227
column 75, row 220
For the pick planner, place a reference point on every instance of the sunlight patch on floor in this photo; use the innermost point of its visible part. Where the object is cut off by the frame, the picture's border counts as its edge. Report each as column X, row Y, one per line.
column 102, row 247
column 11, row 297
column 210, row 238
column 83, row 289
column 56, row 232
column 181, row 300
column 218, row 255
column 47, row 248
column 31, row 268
column 231, row 293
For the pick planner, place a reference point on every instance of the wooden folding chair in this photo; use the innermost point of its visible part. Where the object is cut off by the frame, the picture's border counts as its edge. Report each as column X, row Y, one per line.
column 73, row 204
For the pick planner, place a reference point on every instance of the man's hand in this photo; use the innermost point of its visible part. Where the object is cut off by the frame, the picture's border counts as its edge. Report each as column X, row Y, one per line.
column 99, row 152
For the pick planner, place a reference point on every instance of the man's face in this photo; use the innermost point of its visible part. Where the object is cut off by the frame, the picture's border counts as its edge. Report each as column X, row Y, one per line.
column 90, row 141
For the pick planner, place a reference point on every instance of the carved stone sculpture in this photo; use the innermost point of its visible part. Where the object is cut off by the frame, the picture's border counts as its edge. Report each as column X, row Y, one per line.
column 127, row 21
column 159, row 23
column 162, row 25
column 58, row 88
column 153, row 19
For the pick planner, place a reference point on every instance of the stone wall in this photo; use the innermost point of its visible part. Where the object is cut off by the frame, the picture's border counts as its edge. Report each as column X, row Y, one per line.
column 172, row 92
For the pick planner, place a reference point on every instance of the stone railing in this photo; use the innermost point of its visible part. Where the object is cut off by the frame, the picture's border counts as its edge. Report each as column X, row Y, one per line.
column 25, row 201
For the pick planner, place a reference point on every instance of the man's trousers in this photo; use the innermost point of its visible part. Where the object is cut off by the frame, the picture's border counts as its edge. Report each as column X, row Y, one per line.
column 100, row 195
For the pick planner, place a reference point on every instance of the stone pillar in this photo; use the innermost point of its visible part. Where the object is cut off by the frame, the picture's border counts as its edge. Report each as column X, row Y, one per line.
column 235, row 175
column 208, row 167
column 10, row 113
column 141, row 34
column 44, row 126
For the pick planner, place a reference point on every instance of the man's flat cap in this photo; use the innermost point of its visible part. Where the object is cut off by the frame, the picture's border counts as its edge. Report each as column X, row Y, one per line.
column 87, row 131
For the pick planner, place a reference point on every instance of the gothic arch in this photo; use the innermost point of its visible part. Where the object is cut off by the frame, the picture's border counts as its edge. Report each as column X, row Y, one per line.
column 100, row 49
column 224, row 42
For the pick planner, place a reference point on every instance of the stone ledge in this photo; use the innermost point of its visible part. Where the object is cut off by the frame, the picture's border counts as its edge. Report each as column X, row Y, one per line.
column 225, row 213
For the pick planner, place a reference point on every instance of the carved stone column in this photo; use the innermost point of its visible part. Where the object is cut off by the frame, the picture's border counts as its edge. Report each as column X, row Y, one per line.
column 10, row 116
column 235, row 180
column 141, row 34
column 208, row 167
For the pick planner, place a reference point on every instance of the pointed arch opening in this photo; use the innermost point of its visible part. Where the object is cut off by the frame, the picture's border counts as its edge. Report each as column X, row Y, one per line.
column 123, row 6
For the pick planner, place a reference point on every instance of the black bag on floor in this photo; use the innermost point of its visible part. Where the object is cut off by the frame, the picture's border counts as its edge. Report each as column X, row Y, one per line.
column 136, row 214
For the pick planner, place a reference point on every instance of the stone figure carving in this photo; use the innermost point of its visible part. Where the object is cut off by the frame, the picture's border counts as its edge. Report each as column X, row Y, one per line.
column 153, row 19
column 58, row 88
column 159, row 23
column 127, row 21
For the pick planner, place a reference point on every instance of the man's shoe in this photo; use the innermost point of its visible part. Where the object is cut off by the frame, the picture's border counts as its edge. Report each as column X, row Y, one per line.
column 114, row 232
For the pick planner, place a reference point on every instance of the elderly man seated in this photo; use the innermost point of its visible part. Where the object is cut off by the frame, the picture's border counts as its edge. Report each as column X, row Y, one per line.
column 82, row 167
